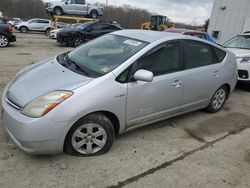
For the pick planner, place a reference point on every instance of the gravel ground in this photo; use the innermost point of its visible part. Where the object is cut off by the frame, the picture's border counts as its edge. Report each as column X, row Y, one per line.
column 194, row 150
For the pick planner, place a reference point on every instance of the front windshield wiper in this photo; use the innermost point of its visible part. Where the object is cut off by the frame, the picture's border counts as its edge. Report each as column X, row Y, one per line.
column 70, row 62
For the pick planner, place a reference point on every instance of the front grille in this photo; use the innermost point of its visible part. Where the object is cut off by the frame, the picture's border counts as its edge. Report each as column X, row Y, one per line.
column 243, row 74
column 47, row 5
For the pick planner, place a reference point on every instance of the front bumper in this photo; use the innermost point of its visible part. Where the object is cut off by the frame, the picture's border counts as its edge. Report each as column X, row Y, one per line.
column 49, row 10
column 53, row 36
column 33, row 135
column 244, row 72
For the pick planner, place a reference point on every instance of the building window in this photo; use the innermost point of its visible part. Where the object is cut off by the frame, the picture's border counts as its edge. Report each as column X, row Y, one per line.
column 215, row 34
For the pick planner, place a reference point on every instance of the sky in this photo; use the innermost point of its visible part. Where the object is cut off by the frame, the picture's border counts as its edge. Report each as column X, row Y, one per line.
column 193, row 12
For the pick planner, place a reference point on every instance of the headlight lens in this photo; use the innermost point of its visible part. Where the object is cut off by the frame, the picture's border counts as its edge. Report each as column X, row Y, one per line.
column 42, row 105
column 245, row 60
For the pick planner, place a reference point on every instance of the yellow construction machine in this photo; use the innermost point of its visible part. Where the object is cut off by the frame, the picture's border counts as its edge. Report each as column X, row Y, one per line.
column 158, row 23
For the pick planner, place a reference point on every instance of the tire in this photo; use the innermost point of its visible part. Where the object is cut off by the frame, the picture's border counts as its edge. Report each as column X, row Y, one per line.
column 23, row 29
column 218, row 100
column 93, row 14
column 58, row 11
column 77, row 41
column 47, row 32
column 90, row 136
column 4, row 41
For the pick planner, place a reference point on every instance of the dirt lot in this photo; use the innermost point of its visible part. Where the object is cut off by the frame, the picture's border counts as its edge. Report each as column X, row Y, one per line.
column 194, row 150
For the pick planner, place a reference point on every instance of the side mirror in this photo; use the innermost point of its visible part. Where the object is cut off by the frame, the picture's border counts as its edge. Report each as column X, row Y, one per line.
column 144, row 75
column 88, row 30
column 66, row 2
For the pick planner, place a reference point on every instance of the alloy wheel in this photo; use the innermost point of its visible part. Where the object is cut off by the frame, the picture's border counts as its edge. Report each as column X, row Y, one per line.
column 219, row 99
column 3, row 41
column 89, row 138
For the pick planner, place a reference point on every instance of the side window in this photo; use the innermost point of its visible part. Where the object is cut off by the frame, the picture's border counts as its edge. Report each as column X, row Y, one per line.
column 98, row 26
column 34, row 21
column 112, row 27
column 43, row 21
column 81, row 2
column 197, row 54
column 164, row 60
column 220, row 54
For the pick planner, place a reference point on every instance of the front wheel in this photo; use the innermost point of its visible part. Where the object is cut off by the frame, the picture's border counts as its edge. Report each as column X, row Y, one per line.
column 218, row 100
column 77, row 41
column 90, row 136
column 58, row 11
column 4, row 41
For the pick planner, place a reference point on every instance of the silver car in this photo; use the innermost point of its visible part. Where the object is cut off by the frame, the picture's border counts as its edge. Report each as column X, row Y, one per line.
column 78, row 101
column 36, row 24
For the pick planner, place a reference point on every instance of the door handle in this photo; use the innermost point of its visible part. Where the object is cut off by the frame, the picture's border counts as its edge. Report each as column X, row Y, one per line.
column 177, row 83
column 216, row 73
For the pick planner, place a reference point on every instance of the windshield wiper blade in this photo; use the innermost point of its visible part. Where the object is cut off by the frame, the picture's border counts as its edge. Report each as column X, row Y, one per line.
column 70, row 62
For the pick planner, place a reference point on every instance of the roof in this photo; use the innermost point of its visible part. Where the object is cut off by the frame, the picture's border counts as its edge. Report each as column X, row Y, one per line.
column 144, row 35
column 182, row 30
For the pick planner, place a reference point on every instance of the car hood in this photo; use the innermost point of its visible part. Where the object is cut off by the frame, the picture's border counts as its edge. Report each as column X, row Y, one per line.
column 55, row 30
column 70, row 30
column 42, row 78
column 240, row 52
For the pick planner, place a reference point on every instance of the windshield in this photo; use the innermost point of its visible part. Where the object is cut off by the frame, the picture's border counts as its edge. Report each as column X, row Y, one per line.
column 240, row 41
column 84, row 25
column 102, row 55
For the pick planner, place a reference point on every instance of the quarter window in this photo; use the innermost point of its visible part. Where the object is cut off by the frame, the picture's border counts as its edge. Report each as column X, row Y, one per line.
column 220, row 54
column 197, row 54
column 162, row 61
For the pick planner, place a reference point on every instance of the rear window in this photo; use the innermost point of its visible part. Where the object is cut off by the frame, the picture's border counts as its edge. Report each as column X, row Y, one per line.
column 220, row 54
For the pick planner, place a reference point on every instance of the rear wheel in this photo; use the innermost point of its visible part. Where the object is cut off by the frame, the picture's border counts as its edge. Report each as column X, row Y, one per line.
column 23, row 29
column 91, row 135
column 47, row 32
column 218, row 100
column 4, row 41
column 94, row 14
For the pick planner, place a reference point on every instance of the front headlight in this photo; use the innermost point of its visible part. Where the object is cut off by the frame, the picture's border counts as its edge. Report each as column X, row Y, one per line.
column 43, row 104
column 245, row 60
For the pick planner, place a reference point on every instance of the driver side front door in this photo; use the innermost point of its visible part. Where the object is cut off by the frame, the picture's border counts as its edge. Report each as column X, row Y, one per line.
column 151, row 101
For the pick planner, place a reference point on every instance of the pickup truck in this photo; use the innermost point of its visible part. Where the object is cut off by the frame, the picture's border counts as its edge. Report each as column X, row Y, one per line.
column 6, row 33
column 74, row 7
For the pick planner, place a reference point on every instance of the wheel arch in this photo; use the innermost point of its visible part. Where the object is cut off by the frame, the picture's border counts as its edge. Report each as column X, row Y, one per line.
column 228, row 88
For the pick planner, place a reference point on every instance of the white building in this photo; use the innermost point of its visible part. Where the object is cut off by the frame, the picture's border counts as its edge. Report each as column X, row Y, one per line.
column 229, row 18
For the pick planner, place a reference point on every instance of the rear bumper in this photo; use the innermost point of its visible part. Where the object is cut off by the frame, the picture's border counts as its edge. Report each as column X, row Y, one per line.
column 12, row 38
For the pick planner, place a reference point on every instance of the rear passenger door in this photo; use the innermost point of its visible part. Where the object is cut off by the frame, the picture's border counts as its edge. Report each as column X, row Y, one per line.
column 202, row 75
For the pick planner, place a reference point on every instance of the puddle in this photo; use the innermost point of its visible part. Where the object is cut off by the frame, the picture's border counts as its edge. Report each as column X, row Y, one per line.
column 23, row 53
column 208, row 129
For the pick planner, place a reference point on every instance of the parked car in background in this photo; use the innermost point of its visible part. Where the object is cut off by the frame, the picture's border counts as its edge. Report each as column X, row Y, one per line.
column 13, row 21
column 85, row 32
column 199, row 34
column 6, row 33
column 115, row 83
column 53, row 33
column 240, row 45
column 37, row 24
column 74, row 7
